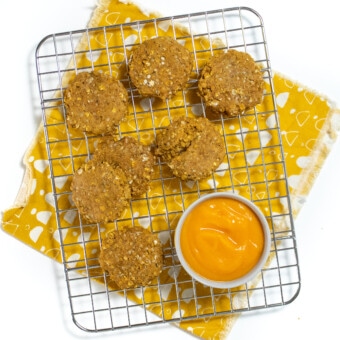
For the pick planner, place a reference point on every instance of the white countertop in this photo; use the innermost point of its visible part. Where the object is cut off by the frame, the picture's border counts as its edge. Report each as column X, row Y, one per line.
column 303, row 45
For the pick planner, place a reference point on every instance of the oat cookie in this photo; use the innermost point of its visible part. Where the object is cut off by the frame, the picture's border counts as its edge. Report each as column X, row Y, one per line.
column 100, row 192
column 134, row 158
column 160, row 67
column 192, row 147
column 132, row 256
column 95, row 102
column 231, row 83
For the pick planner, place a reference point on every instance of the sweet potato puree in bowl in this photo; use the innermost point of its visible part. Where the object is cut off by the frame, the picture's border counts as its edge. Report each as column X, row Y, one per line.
column 222, row 240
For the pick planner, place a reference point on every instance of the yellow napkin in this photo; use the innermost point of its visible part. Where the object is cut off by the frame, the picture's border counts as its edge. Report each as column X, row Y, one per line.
column 309, row 126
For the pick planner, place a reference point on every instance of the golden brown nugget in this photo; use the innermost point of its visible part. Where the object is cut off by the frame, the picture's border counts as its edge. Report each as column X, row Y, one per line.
column 100, row 192
column 160, row 67
column 132, row 256
column 134, row 158
column 231, row 83
column 192, row 147
column 95, row 102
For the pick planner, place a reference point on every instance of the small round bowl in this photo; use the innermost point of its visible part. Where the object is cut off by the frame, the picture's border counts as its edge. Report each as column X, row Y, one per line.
column 218, row 250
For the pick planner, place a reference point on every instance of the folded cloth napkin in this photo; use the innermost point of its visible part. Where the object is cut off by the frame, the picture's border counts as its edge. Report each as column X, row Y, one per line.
column 309, row 126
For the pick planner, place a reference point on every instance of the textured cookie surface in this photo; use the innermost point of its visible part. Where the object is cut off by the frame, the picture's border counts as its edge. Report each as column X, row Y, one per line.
column 192, row 147
column 100, row 192
column 135, row 159
column 160, row 67
column 95, row 102
column 230, row 83
column 132, row 256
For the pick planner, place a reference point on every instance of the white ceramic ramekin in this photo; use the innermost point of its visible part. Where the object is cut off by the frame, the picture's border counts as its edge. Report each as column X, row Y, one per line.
column 250, row 274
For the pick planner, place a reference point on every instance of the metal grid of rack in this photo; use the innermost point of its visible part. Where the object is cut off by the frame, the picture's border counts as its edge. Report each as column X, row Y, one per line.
column 254, row 167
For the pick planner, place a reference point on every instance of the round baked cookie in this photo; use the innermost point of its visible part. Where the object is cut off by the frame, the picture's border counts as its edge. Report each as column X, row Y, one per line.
column 160, row 67
column 95, row 102
column 231, row 83
column 100, row 192
column 132, row 256
column 192, row 147
column 134, row 158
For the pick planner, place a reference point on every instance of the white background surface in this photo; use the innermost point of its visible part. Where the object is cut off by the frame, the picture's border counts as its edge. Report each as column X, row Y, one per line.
column 303, row 44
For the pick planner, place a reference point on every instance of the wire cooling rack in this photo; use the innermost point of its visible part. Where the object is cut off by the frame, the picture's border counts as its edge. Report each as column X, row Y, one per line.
column 254, row 167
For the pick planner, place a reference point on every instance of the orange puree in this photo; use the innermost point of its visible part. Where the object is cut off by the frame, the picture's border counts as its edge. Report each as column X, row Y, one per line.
column 222, row 239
